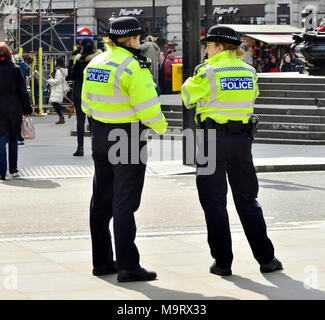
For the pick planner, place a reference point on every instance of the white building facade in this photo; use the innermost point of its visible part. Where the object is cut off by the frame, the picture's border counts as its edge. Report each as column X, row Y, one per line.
column 95, row 14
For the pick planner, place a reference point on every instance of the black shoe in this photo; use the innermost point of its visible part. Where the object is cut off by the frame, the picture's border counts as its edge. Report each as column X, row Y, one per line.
column 139, row 274
column 274, row 265
column 103, row 270
column 14, row 173
column 79, row 152
column 2, row 177
column 220, row 271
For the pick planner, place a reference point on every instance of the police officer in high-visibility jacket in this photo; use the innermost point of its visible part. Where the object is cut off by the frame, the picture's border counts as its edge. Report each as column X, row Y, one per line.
column 120, row 96
column 223, row 90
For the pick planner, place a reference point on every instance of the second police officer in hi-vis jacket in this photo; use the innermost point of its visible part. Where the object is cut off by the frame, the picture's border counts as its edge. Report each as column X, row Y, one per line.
column 223, row 91
column 120, row 96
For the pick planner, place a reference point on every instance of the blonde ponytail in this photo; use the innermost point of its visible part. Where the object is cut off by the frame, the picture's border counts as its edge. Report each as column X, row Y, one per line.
column 121, row 41
column 234, row 49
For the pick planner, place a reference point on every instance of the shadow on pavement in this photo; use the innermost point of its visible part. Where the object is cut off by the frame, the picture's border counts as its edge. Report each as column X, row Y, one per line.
column 286, row 186
column 37, row 184
column 156, row 293
column 285, row 288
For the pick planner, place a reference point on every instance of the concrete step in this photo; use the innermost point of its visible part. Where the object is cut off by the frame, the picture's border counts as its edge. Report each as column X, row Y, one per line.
column 289, row 110
column 294, row 78
column 291, row 86
column 287, row 134
column 175, row 122
column 173, row 114
column 291, row 118
column 292, row 126
column 288, row 141
column 292, row 94
column 174, row 108
column 286, row 101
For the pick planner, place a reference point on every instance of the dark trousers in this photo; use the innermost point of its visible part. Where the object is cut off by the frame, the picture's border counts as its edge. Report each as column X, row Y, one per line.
column 81, row 117
column 233, row 159
column 58, row 108
column 168, row 87
column 12, row 150
column 117, row 192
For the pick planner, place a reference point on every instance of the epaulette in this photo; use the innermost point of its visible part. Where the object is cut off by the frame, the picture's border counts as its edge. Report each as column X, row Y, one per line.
column 198, row 67
column 144, row 61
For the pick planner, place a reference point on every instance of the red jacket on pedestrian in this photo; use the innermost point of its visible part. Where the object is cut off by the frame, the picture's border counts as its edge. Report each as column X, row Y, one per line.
column 168, row 69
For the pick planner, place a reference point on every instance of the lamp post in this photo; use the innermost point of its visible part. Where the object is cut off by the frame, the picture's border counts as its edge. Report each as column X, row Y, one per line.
column 191, row 58
column 208, row 15
column 153, row 17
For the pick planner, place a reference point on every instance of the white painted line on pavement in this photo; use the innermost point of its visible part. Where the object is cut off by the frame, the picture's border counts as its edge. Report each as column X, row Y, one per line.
column 149, row 234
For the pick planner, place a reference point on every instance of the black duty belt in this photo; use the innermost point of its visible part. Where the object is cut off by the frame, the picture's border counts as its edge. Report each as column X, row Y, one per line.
column 230, row 126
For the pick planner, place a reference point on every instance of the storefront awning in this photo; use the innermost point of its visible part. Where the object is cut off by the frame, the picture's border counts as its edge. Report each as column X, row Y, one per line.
column 273, row 38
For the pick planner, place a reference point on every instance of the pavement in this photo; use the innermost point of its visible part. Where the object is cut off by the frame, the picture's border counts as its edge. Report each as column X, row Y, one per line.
column 57, row 265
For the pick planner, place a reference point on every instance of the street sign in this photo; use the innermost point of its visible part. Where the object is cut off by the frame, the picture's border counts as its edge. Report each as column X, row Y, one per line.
column 81, row 37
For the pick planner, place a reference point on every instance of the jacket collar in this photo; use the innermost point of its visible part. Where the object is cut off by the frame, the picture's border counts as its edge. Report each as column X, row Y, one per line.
column 133, row 51
column 219, row 56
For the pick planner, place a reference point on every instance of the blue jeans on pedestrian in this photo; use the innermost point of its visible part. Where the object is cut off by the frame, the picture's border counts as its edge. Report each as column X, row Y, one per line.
column 58, row 108
column 13, row 153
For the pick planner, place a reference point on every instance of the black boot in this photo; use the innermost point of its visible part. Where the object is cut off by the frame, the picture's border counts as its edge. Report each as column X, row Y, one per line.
column 79, row 152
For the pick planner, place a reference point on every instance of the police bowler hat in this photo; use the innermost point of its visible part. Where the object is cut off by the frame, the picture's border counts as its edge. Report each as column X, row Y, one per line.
column 222, row 34
column 125, row 27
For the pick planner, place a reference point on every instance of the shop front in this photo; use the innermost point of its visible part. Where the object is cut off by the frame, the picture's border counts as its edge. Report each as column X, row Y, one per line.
column 239, row 14
column 143, row 14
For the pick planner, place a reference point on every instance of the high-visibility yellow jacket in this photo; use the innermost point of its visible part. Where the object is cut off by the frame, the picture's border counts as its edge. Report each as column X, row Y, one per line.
column 117, row 89
column 224, row 88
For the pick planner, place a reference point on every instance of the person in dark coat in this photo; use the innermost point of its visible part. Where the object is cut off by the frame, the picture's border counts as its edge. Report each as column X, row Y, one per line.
column 14, row 102
column 287, row 65
column 87, row 53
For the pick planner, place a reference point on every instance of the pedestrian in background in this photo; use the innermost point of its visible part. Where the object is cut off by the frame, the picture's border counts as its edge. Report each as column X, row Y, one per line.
column 170, row 60
column 87, row 53
column 286, row 64
column 223, row 90
column 19, row 60
column 161, row 80
column 151, row 50
column 273, row 65
column 297, row 63
column 119, row 94
column 14, row 103
column 58, row 84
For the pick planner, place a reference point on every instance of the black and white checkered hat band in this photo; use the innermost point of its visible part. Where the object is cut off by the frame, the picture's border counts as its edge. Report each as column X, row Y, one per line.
column 123, row 32
column 223, row 36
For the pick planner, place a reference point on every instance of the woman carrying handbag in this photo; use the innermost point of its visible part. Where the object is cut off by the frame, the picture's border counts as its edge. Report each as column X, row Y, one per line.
column 14, row 102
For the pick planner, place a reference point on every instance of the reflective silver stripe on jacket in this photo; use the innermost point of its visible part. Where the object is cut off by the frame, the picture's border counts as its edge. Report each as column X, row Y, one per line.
column 228, row 113
column 116, row 65
column 117, row 95
column 146, row 104
column 213, row 83
column 108, row 99
column 188, row 96
column 153, row 120
column 255, row 96
column 226, row 104
column 119, row 71
column 108, row 114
